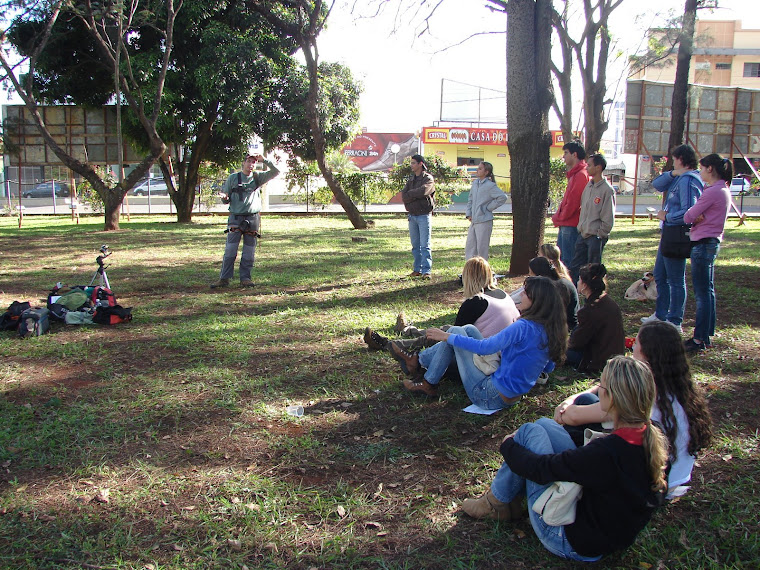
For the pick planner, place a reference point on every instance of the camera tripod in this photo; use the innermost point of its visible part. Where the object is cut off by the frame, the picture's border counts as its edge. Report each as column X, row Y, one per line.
column 100, row 275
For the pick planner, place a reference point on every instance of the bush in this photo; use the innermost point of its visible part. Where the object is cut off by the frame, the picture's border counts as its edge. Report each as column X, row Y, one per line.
column 449, row 180
column 86, row 194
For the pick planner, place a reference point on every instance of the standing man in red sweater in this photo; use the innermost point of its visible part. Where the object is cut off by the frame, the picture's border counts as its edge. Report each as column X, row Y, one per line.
column 569, row 211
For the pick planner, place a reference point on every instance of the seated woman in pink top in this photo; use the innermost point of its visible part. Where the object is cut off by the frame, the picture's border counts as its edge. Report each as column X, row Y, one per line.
column 708, row 217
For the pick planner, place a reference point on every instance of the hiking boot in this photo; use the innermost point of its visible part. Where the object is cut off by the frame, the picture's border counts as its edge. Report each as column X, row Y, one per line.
column 246, row 283
column 220, row 283
column 412, row 361
column 489, row 507
column 375, row 341
column 414, row 274
column 401, row 323
column 427, row 276
column 422, row 386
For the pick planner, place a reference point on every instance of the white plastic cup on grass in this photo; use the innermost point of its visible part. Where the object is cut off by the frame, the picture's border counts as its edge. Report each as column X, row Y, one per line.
column 296, row 411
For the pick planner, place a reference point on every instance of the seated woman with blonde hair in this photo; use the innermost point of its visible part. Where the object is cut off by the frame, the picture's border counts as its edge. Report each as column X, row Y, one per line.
column 486, row 307
column 552, row 253
column 679, row 407
column 622, row 475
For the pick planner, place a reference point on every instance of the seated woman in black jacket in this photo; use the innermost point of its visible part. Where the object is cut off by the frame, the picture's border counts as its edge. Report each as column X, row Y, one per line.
column 622, row 474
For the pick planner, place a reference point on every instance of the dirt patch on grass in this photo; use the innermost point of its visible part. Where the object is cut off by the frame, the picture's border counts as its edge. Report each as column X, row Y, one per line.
column 31, row 375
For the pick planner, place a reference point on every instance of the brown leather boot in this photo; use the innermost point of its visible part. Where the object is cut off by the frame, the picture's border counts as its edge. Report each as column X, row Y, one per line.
column 374, row 340
column 489, row 507
column 419, row 384
column 412, row 361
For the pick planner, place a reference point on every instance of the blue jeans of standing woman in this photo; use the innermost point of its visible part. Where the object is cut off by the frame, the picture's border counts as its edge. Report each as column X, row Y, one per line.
column 545, row 436
column 703, row 256
column 478, row 386
column 670, row 276
column 420, row 230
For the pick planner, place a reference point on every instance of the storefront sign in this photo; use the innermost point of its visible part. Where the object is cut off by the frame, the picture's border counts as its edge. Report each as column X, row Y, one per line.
column 446, row 135
column 479, row 137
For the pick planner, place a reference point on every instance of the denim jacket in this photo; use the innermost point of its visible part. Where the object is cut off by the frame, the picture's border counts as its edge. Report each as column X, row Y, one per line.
column 683, row 192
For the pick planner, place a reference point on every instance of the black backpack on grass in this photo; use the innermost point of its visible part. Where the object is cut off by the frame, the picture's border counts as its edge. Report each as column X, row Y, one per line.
column 11, row 318
column 105, row 315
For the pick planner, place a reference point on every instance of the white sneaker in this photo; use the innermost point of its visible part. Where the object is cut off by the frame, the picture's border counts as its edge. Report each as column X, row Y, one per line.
column 677, row 327
column 650, row 319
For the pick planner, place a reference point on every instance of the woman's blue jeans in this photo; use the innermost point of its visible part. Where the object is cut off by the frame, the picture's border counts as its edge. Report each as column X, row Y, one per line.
column 670, row 276
column 702, row 277
column 478, row 386
column 545, row 436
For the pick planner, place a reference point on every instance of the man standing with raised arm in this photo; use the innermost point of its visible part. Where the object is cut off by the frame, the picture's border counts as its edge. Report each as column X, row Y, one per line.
column 242, row 191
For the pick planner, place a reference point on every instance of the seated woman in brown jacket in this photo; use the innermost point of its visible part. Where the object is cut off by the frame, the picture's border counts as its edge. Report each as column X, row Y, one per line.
column 599, row 334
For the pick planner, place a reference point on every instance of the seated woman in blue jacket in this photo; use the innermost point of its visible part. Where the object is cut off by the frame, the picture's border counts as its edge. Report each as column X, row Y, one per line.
column 622, row 474
column 529, row 346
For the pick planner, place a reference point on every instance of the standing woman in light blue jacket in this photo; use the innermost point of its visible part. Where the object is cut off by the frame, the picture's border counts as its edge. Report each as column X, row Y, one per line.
column 682, row 187
column 485, row 197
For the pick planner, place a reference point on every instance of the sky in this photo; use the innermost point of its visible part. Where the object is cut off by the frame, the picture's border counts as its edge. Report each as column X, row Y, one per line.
column 402, row 72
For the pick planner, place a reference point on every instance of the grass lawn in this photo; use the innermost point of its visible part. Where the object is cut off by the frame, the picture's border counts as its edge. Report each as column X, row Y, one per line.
column 164, row 443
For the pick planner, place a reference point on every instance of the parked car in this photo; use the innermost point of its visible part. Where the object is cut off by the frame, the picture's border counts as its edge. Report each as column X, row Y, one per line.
column 739, row 185
column 45, row 190
column 157, row 187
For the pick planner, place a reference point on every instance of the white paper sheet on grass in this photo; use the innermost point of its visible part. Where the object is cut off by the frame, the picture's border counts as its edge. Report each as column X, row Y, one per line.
column 473, row 409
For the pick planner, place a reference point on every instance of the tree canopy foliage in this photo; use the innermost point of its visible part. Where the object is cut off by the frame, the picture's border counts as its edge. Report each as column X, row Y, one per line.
column 232, row 75
column 110, row 28
column 303, row 20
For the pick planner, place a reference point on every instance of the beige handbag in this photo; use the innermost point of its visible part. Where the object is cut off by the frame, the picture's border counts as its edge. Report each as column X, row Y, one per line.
column 558, row 502
column 487, row 363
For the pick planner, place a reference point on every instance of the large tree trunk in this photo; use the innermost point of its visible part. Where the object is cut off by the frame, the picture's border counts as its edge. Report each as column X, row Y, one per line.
column 681, row 85
column 528, row 102
column 112, row 205
column 187, row 167
column 312, row 114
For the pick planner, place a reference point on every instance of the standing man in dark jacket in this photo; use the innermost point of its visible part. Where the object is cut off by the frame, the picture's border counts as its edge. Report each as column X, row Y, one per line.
column 242, row 192
column 418, row 197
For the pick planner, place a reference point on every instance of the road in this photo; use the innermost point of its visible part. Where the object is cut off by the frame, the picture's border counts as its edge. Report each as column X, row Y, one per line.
column 161, row 205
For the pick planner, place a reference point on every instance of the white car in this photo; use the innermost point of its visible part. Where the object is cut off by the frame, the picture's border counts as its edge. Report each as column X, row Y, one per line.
column 157, row 187
column 739, row 185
